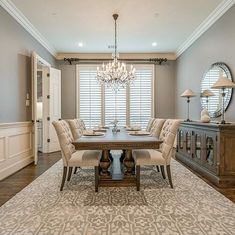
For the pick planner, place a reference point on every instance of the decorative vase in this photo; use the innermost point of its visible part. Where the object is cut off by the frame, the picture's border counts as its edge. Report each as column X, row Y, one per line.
column 205, row 116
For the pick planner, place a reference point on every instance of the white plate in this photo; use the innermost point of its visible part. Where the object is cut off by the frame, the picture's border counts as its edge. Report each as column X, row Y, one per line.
column 133, row 128
column 139, row 133
column 94, row 134
column 100, row 130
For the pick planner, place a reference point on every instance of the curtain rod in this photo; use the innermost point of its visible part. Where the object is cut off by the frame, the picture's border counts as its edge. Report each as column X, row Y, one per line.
column 151, row 60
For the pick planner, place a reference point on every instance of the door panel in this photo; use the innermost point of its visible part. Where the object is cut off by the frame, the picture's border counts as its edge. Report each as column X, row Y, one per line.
column 54, row 107
column 34, row 107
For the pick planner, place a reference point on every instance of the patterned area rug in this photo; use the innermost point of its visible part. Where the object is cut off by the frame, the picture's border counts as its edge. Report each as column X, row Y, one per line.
column 192, row 207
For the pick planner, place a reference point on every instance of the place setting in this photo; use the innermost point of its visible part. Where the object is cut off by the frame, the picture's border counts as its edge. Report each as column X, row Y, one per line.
column 95, row 132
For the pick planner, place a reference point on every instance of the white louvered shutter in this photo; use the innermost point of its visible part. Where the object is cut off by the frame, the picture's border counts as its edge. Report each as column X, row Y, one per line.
column 141, row 97
column 89, row 96
column 115, row 106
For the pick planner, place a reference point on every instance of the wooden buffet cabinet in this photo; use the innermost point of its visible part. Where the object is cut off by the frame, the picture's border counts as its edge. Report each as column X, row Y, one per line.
column 209, row 149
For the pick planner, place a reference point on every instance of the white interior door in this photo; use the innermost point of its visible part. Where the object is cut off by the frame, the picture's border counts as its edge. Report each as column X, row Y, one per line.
column 54, row 107
column 34, row 107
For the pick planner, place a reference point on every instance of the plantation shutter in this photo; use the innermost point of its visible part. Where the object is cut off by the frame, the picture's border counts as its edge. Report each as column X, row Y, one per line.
column 141, row 98
column 89, row 96
column 115, row 106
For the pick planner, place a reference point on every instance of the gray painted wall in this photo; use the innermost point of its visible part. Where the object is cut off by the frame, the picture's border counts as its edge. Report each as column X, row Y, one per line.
column 68, row 91
column 164, row 90
column 16, row 46
column 215, row 45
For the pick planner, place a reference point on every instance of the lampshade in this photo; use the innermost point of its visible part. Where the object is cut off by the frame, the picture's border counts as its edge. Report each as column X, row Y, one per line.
column 188, row 93
column 207, row 93
column 223, row 82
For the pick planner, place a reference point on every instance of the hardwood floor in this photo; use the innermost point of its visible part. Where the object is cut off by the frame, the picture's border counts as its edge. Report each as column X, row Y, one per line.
column 16, row 182
column 13, row 184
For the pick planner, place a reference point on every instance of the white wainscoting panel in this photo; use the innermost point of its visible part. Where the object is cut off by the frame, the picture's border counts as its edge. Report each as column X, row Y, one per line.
column 16, row 149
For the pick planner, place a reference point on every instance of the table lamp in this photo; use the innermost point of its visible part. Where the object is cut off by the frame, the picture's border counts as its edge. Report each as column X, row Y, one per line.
column 207, row 94
column 187, row 94
column 222, row 83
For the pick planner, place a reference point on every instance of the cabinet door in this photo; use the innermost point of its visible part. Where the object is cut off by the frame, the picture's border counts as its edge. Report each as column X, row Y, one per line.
column 184, row 142
column 210, row 151
column 197, row 146
column 180, row 140
column 188, row 147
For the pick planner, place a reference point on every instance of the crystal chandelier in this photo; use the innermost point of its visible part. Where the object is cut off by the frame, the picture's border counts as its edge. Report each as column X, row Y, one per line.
column 115, row 74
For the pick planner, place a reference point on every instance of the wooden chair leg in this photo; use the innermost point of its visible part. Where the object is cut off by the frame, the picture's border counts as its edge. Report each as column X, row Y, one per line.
column 137, row 169
column 96, row 178
column 75, row 170
column 63, row 177
column 158, row 170
column 70, row 173
column 168, row 169
column 163, row 172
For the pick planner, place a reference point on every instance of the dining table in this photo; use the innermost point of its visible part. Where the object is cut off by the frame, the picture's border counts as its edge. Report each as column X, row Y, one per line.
column 116, row 170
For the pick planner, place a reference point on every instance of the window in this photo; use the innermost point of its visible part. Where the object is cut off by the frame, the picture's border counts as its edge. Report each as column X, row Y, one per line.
column 141, row 98
column 115, row 106
column 89, row 96
column 100, row 105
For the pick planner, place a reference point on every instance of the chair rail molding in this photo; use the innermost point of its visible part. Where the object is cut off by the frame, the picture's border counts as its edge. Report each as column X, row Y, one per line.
column 10, row 7
column 220, row 10
column 16, row 148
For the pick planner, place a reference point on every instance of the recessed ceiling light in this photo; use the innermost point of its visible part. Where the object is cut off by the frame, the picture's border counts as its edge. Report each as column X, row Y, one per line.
column 156, row 14
column 154, row 44
column 80, row 44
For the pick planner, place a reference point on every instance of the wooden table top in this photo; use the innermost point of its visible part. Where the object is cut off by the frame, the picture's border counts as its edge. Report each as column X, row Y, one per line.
column 119, row 140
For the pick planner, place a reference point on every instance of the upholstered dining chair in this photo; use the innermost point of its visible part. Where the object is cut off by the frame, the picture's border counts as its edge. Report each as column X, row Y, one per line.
column 157, row 127
column 71, row 157
column 77, row 126
column 150, row 124
column 161, row 156
column 156, row 130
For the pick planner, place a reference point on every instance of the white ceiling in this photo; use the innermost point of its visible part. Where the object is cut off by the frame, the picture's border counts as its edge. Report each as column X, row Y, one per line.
column 65, row 23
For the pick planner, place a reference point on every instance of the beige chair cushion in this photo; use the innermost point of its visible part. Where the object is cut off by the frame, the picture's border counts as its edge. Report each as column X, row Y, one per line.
column 157, row 127
column 65, row 139
column 164, row 154
column 85, row 158
column 168, row 134
column 149, row 125
column 148, row 157
column 77, row 127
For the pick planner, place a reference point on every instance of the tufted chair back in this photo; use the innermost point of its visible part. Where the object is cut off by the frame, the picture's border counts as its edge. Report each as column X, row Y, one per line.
column 65, row 139
column 83, row 124
column 149, row 125
column 157, row 127
column 168, row 135
column 76, row 127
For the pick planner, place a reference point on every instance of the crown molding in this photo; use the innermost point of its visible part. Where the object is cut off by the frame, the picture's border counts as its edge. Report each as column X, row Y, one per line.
column 223, row 7
column 23, row 21
column 205, row 25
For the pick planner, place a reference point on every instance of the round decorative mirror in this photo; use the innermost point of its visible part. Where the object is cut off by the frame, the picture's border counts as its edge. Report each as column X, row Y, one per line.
column 211, row 99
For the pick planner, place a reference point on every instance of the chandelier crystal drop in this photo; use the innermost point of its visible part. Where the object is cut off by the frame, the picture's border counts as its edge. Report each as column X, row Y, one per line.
column 115, row 74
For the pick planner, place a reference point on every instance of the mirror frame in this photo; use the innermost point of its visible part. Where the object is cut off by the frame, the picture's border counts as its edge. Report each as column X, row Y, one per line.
column 227, row 71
